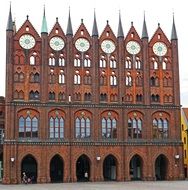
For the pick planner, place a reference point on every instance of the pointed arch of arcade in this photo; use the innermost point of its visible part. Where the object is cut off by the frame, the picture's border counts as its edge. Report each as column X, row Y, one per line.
column 136, row 167
column 161, row 165
column 29, row 165
column 83, row 168
column 56, row 169
column 110, row 168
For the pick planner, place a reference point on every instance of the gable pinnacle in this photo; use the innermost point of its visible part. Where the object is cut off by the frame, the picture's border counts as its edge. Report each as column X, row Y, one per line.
column 120, row 29
column 44, row 28
column 95, row 29
column 10, row 23
column 174, row 33
column 144, row 29
column 69, row 25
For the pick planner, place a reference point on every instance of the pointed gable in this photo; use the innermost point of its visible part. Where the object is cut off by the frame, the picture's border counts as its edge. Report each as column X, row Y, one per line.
column 57, row 31
column 27, row 28
column 82, row 32
column 132, row 35
column 159, row 35
column 107, row 34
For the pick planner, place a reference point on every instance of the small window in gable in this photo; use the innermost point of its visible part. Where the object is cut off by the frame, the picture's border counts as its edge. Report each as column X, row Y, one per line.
column 27, row 28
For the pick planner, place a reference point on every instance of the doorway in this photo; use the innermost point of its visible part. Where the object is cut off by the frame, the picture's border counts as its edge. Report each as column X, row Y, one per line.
column 83, row 169
column 110, row 168
column 56, row 169
column 29, row 166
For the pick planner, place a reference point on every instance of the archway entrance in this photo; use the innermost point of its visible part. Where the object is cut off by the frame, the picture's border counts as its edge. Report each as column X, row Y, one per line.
column 110, row 168
column 135, row 168
column 83, row 168
column 56, row 169
column 29, row 166
column 161, row 165
column 1, row 166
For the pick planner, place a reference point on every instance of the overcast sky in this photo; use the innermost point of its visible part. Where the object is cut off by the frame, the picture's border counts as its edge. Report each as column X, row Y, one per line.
column 159, row 11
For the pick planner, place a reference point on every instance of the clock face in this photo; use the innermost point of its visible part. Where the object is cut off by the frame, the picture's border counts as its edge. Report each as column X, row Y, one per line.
column 159, row 48
column 133, row 47
column 82, row 44
column 27, row 41
column 57, row 43
column 108, row 46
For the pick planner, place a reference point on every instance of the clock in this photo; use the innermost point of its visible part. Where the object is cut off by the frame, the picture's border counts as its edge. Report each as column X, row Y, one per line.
column 27, row 41
column 108, row 46
column 57, row 43
column 133, row 47
column 82, row 44
column 159, row 48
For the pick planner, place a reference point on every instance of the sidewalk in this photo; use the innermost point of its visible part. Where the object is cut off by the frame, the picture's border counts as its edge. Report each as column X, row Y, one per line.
column 164, row 185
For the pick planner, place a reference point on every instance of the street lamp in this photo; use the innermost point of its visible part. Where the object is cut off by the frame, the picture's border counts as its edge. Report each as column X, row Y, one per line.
column 98, row 158
column 12, row 159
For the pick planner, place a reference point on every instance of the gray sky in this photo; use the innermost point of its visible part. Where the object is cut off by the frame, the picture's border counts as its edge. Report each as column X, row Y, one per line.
column 159, row 11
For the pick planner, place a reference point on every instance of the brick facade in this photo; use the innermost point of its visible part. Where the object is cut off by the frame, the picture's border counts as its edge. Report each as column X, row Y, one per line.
column 107, row 103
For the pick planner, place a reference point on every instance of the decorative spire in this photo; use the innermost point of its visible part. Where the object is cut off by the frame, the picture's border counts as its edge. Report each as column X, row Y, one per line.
column 10, row 23
column 95, row 29
column 44, row 28
column 144, row 29
column 174, row 34
column 120, row 29
column 69, row 26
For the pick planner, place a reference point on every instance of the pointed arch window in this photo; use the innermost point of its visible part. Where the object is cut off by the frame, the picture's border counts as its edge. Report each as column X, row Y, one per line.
column 87, row 97
column 61, row 78
column 77, row 96
column 61, row 61
column 128, row 63
column 135, row 128
column 18, row 77
column 164, row 65
column 83, row 127
column 128, row 81
column 87, row 79
column 51, row 61
column 138, row 81
column 139, row 98
column 103, row 97
column 52, row 78
column 102, row 63
column 113, row 80
column 28, row 127
column 109, row 127
column 77, row 79
column 32, row 60
column 137, row 63
column 155, row 65
column 77, row 62
column 51, row 95
column 61, row 96
column 160, row 128
column 155, row 98
column 34, row 95
column 56, row 127
column 87, row 62
column 103, row 80
column 113, row 63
